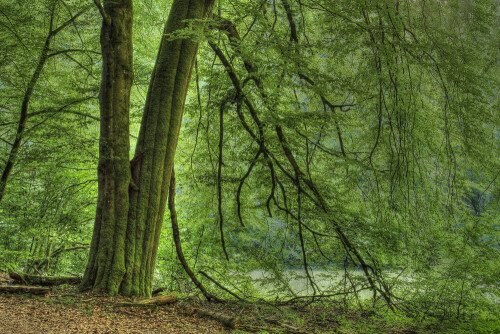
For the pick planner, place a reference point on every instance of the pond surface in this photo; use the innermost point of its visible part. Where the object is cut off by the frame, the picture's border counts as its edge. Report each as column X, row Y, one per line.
column 329, row 282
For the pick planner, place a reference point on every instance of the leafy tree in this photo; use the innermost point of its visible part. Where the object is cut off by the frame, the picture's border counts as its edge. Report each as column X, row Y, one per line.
column 43, row 53
column 358, row 137
column 48, row 122
column 351, row 124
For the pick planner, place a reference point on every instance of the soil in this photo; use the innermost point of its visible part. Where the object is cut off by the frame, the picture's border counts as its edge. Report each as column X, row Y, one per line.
column 60, row 312
column 64, row 310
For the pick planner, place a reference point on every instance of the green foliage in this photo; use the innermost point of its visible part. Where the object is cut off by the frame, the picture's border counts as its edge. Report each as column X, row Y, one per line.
column 49, row 199
column 413, row 181
column 389, row 109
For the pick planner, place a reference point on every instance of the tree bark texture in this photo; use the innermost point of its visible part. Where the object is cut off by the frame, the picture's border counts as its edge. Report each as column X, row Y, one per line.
column 132, row 196
column 106, row 265
column 157, row 143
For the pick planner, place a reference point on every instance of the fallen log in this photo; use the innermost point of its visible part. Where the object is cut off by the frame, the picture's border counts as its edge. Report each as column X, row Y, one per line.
column 230, row 322
column 22, row 278
column 160, row 300
column 32, row 290
column 152, row 302
column 255, row 329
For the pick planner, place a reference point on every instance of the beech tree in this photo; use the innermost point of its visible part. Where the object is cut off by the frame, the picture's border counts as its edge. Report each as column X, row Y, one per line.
column 370, row 133
column 132, row 195
column 357, row 138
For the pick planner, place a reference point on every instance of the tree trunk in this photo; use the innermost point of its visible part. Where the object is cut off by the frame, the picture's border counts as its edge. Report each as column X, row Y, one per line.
column 132, row 197
column 106, row 265
column 157, row 143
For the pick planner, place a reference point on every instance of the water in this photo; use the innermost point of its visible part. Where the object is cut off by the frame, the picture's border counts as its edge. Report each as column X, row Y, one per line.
column 334, row 281
column 329, row 282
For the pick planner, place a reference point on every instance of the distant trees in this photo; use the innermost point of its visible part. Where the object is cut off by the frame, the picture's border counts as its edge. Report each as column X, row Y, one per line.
column 47, row 125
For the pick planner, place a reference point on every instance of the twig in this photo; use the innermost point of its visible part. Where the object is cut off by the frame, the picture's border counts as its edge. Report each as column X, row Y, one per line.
column 221, row 286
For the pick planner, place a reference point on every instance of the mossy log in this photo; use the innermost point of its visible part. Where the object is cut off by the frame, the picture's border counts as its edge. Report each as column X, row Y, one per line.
column 152, row 302
column 22, row 278
column 32, row 290
column 160, row 300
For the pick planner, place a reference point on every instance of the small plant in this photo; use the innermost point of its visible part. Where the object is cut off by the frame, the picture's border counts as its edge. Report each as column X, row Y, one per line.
column 89, row 310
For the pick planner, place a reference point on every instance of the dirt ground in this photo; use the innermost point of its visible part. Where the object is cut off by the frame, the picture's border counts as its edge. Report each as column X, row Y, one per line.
column 64, row 310
column 60, row 313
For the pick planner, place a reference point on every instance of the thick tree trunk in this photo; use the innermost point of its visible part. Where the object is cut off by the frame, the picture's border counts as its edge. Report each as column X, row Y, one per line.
column 132, row 197
column 157, row 142
column 106, row 265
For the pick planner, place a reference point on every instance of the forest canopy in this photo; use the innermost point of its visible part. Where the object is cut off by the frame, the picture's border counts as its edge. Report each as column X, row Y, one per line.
column 353, row 146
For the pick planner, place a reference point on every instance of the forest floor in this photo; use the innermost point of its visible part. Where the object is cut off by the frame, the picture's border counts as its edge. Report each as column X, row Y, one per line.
column 66, row 311
column 63, row 312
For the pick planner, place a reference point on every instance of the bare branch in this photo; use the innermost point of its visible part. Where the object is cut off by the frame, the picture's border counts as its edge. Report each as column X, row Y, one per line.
column 177, row 241
column 55, row 53
column 68, row 22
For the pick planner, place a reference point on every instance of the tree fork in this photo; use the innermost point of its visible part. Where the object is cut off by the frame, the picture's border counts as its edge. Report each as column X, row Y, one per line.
column 130, row 209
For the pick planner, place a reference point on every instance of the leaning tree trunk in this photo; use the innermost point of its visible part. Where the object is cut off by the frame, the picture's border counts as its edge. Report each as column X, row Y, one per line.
column 157, row 142
column 131, row 206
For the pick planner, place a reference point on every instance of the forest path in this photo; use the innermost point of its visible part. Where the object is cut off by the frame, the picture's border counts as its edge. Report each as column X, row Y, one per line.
column 60, row 313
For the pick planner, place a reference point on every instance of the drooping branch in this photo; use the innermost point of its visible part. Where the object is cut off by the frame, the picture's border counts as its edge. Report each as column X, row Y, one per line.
column 332, row 108
column 178, row 245
column 302, row 243
column 219, row 177
column 221, row 286
column 299, row 177
column 242, row 182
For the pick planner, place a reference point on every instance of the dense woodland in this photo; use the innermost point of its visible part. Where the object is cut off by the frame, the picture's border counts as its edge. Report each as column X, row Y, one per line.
column 350, row 142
